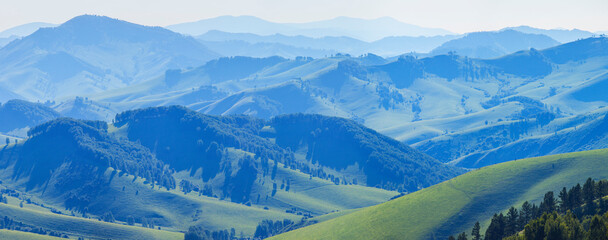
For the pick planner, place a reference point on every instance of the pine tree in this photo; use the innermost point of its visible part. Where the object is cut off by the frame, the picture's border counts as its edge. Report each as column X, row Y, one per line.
column 575, row 195
column 535, row 230
column 554, row 229
column 462, row 236
column 602, row 206
column 496, row 229
column 511, row 225
column 564, row 204
column 548, row 204
column 274, row 170
column 130, row 220
column 597, row 229
column 575, row 229
column 475, row 232
column 525, row 215
column 589, row 196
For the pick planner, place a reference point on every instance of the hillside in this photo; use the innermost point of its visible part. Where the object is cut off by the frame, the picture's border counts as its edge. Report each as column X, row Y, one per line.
column 213, row 166
column 494, row 44
column 86, row 152
column 90, row 54
column 17, row 114
column 593, row 135
column 76, row 227
column 341, row 144
column 399, row 97
column 456, row 204
column 381, row 161
column 411, row 98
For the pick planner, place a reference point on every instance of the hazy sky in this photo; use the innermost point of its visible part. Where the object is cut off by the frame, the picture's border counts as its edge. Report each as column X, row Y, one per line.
column 453, row 15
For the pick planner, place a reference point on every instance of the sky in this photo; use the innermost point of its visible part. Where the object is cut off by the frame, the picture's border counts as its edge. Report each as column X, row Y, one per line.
column 453, row 15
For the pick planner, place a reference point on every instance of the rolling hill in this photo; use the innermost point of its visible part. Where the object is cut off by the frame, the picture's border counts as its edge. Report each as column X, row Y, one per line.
column 396, row 97
column 381, row 161
column 18, row 114
column 591, row 135
column 176, row 168
column 453, row 206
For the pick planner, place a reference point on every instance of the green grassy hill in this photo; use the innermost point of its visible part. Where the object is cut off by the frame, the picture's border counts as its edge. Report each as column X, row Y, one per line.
column 75, row 226
column 453, row 206
column 98, row 175
column 17, row 235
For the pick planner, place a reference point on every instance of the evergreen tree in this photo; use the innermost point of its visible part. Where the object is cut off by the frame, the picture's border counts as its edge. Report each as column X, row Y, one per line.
column 511, row 225
column 475, row 233
column 130, row 220
column 564, row 203
column 589, row 196
column 602, row 207
column 602, row 187
column 108, row 217
column 525, row 214
column 462, row 236
column 554, row 229
column 548, row 204
column 274, row 170
column 535, row 230
column 196, row 233
column 496, row 229
column 575, row 229
column 451, row 238
column 575, row 195
column 597, row 229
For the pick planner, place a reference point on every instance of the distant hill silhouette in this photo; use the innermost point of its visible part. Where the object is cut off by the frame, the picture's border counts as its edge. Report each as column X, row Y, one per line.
column 494, row 44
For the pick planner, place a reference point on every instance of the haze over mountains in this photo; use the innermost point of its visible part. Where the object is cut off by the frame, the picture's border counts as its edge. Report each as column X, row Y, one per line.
column 367, row 30
column 223, row 124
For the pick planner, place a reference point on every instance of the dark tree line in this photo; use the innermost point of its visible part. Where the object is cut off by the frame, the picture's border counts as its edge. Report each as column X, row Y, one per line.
column 10, row 224
column 576, row 213
column 269, row 228
column 199, row 233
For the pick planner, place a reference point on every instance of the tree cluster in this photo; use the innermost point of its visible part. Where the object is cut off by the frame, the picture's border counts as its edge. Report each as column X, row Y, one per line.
column 569, row 216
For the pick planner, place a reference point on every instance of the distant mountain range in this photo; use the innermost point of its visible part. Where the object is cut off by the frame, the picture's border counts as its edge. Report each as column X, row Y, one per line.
column 25, row 29
column 366, row 30
column 13, row 33
column 292, row 46
column 561, row 35
column 90, row 54
column 494, row 44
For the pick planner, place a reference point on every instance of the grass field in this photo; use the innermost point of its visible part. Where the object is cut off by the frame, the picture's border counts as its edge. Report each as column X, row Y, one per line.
column 82, row 227
column 454, row 206
column 18, row 235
